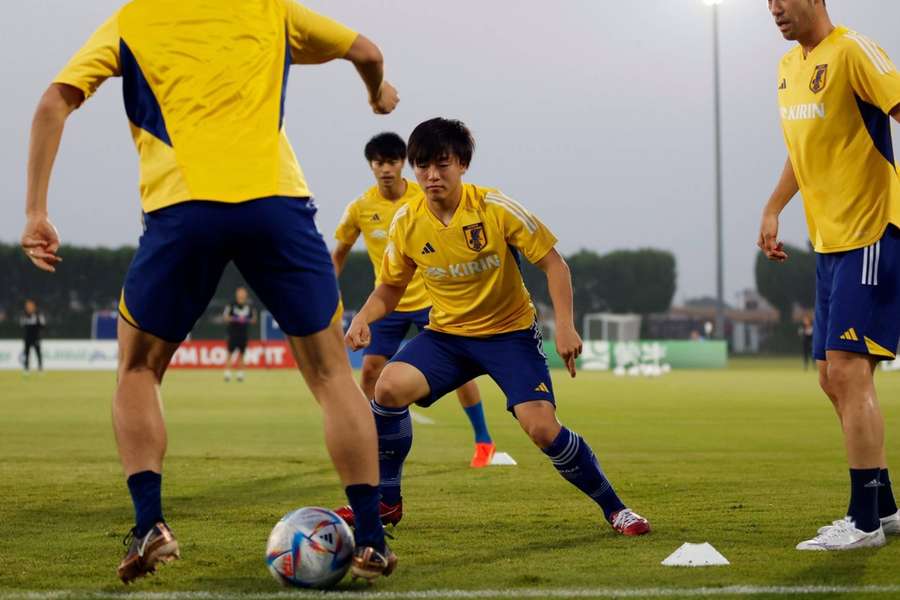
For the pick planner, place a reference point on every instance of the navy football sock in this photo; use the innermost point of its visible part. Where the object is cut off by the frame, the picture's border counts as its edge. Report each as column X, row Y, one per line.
column 575, row 461
column 145, row 488
column 476, row 417
column 887, row 505
column 364, row 502
column 863, row 509
column 394, row 441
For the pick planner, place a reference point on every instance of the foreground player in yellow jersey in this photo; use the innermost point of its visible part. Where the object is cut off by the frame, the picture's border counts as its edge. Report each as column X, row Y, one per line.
column 836, row 90
column 204, row 85
column 371, row 214
column 467, row 241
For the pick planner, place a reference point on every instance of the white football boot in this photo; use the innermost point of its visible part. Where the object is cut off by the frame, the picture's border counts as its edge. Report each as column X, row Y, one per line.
column 843, row 535
column 891, row 524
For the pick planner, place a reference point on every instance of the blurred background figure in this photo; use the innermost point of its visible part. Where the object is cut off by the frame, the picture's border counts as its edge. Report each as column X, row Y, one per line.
column 32, row 322
column 239, row 315
column 806, row 335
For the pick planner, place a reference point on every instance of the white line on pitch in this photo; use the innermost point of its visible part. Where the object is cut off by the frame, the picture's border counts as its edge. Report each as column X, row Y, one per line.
column 737, row 590
column 420, row 418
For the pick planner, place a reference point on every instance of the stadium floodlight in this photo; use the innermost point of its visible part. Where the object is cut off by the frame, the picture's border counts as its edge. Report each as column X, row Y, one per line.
column 720, row 286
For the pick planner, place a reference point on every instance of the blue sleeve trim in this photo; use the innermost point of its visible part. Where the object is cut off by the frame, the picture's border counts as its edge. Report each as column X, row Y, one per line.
column 141, row 106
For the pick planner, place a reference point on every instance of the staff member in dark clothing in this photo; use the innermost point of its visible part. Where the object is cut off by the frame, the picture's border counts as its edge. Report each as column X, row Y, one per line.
column 239, row 315
column 806, row 334
column 32, row 323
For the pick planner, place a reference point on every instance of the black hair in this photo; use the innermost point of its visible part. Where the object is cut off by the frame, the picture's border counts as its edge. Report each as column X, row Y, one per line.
column 386, row 146
column 440, row 138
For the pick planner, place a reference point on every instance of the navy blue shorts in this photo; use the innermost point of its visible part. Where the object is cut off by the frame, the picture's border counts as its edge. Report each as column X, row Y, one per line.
column 858, row 299
column 389, row 332
column 515, row 361
column 272, row 241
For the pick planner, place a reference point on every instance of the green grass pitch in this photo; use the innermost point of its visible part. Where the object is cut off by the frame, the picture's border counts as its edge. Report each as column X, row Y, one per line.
column 749, row 458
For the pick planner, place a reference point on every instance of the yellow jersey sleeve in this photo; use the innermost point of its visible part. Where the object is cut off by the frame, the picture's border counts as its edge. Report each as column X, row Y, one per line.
column 396, row 268
column 520, row 227
column 315, row 38
column 348, row 229
column 873, row 76
column 97, row 61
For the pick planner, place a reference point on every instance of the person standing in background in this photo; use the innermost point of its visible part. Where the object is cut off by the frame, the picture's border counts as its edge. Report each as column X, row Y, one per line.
column 239, row 315
column 32, row 323
column 806, row 334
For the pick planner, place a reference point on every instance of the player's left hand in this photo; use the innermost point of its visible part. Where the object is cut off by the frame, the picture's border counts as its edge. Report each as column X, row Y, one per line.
column 768, row 240
column 358, row 334
column 568, row 346
column 386, row 100
column 40, row 241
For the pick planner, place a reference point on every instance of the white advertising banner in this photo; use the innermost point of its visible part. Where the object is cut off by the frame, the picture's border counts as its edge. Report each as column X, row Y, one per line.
column 63, row 355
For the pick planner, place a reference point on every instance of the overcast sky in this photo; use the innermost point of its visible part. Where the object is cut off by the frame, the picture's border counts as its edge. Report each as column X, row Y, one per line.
column 597, row 115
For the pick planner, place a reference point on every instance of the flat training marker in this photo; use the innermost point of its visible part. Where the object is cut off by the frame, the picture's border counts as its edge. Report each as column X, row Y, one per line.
column 502, row 459
column 420, row 418
column 695, row 555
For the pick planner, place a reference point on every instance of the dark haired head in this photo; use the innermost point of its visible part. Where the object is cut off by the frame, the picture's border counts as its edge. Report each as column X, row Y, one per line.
column 441, row 138
column 386, row 146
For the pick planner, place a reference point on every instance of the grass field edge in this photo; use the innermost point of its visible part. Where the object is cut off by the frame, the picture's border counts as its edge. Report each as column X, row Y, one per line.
column 653, row 592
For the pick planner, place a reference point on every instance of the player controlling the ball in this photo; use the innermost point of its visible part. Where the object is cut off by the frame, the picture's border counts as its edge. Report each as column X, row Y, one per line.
column 204, row 86
column 836, row 90
column 371, row 214
column 467, row 242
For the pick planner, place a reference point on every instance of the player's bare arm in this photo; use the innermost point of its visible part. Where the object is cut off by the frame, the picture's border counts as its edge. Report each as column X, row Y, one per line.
column 369, row 63
column 382, row 301
column 40, row 240
column 896, row 113
column 786, row 189
column 559, row 283
column 339, row 257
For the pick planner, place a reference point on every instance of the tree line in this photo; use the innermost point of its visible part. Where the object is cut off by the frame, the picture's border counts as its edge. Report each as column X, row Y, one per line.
column 640, row 281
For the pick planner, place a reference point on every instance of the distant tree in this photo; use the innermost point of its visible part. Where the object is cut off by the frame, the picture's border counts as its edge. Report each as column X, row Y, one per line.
column 637, row 281
column 788, row 283
column 357, row 280
column 91, row 279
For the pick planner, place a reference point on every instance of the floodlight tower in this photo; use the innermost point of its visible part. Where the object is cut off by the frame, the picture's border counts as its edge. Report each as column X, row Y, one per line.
column 720, row 292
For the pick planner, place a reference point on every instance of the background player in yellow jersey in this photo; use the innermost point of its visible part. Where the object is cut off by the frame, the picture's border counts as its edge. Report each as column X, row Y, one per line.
column 371, row 214
column 467, row 241
column 204, row 87
column 836, row 89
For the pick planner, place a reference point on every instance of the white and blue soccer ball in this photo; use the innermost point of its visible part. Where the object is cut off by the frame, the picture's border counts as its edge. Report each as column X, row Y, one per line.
column 310, row 548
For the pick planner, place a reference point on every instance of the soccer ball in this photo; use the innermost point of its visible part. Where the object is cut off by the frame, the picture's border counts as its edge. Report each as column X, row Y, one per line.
column 310, row 548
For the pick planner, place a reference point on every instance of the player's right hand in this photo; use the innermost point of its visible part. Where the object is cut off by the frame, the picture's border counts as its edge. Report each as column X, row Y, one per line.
column 358, row 334
column 386, row 100
column 768, row 238
column 40, row 241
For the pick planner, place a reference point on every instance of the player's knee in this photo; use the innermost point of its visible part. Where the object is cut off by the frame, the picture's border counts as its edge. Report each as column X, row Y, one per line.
column 370, row 375
column 542, row 433
column 843, row 376
column 391, row 391
column 826, row 386
column 139, row 369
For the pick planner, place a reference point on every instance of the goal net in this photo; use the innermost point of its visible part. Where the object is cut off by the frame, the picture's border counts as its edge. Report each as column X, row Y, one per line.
column 611, row 327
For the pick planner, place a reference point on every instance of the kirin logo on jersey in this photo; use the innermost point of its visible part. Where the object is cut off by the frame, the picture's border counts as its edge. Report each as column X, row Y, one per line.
column 379, row 234
column 464, row 269
column 819, row 79
column 476, row 238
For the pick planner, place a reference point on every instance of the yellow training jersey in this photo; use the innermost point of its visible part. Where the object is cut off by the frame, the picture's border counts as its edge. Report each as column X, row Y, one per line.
column 372, row 214
column 204, row 85
column 471, row 266
column 834, row 105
